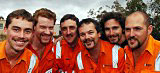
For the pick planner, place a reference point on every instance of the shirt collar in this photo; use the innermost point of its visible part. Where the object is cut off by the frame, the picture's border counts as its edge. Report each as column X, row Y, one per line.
column 3, row 52
column 150, row 47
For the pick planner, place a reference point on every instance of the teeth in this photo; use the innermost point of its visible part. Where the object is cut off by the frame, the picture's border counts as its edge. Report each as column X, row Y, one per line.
column 19, row 42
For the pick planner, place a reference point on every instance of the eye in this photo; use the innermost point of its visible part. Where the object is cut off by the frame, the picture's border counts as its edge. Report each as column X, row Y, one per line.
column 64, row 28
column 28, row 31
column 106, row 29
column 127, row 29
column 72, row 27
column 16, row 29
column 90, row 32
column 115, row 28
column 51, row 28
column 82, row 34
column 137, row 28
column 42, row 27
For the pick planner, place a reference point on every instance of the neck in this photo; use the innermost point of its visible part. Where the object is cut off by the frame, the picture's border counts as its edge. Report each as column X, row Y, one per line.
column 122, row 39
column 73, row 44
column 11, row 53
column 94, row 52
column 38, row 46
column 138, row 52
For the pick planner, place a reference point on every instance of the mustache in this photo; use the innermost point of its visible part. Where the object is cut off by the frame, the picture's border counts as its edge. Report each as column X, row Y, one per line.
column 113, row 35
column 46, row 34
column 69, row 35
column 86, row 40
column 21, row 39
column 132, row 37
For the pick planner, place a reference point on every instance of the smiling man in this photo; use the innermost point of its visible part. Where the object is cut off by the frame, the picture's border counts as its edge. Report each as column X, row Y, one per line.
column 41, row 43
column 14, row 56
column 143, row 51
column 70, row 45
column 99, row 56
column 113, row 25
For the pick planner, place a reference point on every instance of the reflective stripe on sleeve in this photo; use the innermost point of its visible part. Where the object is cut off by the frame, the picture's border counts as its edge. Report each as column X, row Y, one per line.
column 32, row 63
column 157, row 63
column 115, row 56
column 49, row 71
column 58, row 50
column 79, row 61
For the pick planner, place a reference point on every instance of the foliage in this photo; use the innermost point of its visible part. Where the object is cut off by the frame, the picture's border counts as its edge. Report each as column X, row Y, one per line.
column 152, row 8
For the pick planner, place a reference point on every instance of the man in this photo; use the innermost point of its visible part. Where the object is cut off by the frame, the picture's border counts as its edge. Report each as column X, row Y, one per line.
column 70, row 46
column 143, row 51
column 99, row 56
column 14, row 56
column 113, row 27
column 41, row 43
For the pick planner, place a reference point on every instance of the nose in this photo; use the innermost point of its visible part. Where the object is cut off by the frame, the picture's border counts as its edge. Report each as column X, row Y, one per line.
column 111, row 32
column 132, row 33
column 21, row 34
column 47, row 31
column 87, row 36
column 68, row 31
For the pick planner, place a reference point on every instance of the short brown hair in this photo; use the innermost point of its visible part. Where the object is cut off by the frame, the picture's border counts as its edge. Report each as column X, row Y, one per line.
column 44, row 12
column 20, row 13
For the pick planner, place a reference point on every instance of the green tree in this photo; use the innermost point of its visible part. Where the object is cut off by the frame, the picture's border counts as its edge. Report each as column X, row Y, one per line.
column 152, row 8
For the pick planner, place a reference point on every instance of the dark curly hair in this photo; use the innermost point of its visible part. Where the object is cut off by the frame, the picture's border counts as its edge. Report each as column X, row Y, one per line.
column 113, row 15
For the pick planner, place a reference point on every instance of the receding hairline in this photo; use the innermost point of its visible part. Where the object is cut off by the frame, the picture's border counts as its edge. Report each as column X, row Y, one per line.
column 144, row 15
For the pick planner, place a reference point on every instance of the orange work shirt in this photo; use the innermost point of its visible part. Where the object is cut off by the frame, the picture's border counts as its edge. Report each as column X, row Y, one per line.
column 105, row 64
column 47, row 62
column 22, row 65
column 66, row 56
column 146, row 62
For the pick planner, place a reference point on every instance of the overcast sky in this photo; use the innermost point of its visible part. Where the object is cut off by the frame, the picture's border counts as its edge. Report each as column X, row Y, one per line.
column 60, row 7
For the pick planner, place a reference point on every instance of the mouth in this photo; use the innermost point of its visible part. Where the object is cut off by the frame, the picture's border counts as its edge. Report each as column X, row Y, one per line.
column 132, row 41
column 20, row 42
column 69, row 36
column 46, row 37
column 112, row 38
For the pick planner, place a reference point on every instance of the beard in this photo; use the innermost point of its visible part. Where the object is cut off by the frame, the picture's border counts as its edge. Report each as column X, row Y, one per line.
column 135, row 47
column 45, row 38
column 113, row 36
column 90, row 40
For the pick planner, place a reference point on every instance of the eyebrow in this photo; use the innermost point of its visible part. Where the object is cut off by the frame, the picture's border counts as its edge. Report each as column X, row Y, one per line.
column 15, row 27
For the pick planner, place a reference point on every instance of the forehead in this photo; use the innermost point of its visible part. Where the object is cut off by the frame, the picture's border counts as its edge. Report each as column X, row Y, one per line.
column 45, row 21
column 87, row 27
column 135, row 19
column 22, row 23
column 68, row 23
column 111, row 23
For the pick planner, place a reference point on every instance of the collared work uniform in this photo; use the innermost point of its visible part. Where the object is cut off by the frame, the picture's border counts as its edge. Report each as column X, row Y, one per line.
column 148, row 62
column 47, row 62
column 66, row 56
column 27, row 62
column 110, row 60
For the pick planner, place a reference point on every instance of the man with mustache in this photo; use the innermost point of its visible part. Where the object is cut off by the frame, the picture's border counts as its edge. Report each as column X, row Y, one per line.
column 14, row 56
column 70, row 45
column 113, row 25
column 98, row 56
column 42, row 43
column 143, row 51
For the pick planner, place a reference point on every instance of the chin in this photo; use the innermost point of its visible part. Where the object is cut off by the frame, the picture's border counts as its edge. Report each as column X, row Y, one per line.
column 18, row 49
